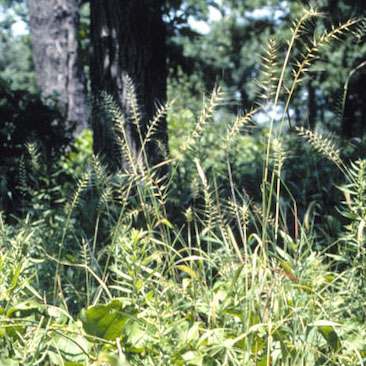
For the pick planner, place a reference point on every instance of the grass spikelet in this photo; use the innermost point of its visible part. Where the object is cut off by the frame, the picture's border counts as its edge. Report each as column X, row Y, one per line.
column 132, row 107
column 232, row 131
column 298, row 26
column 279, row 156
column 269, row 72
column 152, row 127
column 323, row 145
column 302, row 66
column 22, row 175
column 35, row 155
column 99, row 171
column 81, row 185
column 161, row 113
column 113, row 109
column 105, row 199
column 206, row 114
column 360, row 31
column 119, row 128
column 334, row 33
column 210, row 211
column 163, row 150
column 154, row 185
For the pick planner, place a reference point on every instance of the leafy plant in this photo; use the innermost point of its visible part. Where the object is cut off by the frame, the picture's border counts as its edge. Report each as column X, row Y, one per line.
column 238, row 279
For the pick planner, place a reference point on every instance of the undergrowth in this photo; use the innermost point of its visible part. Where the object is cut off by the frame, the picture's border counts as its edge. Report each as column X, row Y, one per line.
column 113, row 278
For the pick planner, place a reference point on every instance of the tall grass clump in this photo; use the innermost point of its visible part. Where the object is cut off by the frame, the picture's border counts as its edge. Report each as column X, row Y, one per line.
column 223, row 279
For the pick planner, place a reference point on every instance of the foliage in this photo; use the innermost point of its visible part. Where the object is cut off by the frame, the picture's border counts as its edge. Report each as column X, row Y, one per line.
column 16, row 64
column 75, row 161
column 26, row 119
column 232, row 47
column 242, row 279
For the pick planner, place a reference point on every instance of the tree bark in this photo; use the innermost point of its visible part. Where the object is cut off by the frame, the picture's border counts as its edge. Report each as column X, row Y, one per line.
column 54, row 27
column 353, row 122
column 128, row 40
column 312, row 107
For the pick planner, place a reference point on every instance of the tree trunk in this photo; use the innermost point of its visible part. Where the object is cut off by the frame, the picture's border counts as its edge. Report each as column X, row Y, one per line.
column 128, row 40
column 353, row 123
column 54, row 26
column 312, row 107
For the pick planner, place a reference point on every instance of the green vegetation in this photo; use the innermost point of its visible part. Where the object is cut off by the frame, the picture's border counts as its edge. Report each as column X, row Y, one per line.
column 251, row 252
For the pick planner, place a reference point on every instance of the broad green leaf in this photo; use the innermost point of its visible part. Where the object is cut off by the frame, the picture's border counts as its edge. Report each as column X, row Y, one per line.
column 326, row 329
column 72, row 351
column 330, row 336
column 193, row 333
column 193, row 358
column 107, row 321
column 235, row 313
column 135, row 337
column 27, row 309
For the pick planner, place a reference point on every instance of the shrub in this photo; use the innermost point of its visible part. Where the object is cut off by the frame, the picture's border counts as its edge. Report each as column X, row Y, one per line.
column 26, row 119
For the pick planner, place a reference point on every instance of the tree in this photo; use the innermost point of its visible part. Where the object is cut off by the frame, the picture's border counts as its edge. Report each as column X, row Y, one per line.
column 16, row 64
column 230, row 51
column 128, row 41
column 54, row 28
column 346, row 65
column 127, row 38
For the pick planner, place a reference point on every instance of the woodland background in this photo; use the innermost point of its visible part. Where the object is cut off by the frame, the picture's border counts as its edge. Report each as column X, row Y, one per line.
column 183, row 182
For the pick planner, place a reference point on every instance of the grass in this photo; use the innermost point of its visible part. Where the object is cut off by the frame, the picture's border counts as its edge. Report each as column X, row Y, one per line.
column 113, row 279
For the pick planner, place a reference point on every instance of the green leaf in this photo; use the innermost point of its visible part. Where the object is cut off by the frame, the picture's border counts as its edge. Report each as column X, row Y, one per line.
column 14, row 273
column 72, row 350
column 330, row 336
column 263, row 362
column 193, row 358
column 112, row 360
column 326, row 329
column 8, row 362
column 107, row 321
column 258, row 344
column 27, row 309
column 235, row 313
column 135, row 337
